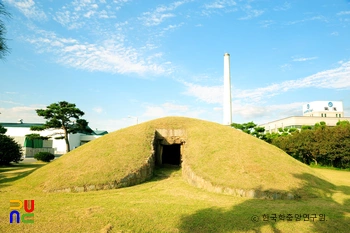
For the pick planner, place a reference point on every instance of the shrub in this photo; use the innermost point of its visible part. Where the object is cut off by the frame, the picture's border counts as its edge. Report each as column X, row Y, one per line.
column 10, row 150
column 44, row 156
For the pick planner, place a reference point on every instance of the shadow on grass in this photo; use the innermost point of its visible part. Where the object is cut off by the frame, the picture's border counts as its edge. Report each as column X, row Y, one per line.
column 256, row 215
column 15, row 172
column 164, row 172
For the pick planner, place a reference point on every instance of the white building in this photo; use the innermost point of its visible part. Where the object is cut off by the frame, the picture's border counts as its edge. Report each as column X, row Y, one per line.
column 314, row 112
column 324, row 109
column 19, row 130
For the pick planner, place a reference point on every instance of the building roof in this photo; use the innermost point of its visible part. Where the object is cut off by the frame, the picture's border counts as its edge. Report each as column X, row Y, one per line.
column 28, row 125
column 18, row 124
column 100, row 132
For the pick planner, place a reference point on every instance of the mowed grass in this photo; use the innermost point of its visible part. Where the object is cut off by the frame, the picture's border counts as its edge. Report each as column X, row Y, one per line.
column 220, row 154
column 168, row 204
column 17, row 171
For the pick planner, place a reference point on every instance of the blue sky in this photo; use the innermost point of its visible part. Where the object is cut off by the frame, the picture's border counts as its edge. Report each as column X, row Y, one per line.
column 149, row 59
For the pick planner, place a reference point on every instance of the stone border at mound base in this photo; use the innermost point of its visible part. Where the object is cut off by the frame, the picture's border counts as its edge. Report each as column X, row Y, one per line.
column 199, row 182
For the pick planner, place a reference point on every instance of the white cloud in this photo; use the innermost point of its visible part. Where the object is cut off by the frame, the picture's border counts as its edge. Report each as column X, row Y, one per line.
column 77, row 13
column 262, row 113
column 315, row 18
column 27, row 113
column 150, row 19
column 161, row 13
column 98, row 110
column 286, row 67
column 29, row 9
column 344, row 13
column 120, row 25
column 171, row 27
column 109, row 55
column 338, row 78
column 175, row 107
column 166, row 109
column 89, row 14
column 250, row 12
column 68, row 19
column 208, row 94
column 283, row 7
column 335, row 34
column 9, row 102
column 110, row 124
column 220, row 4
column 154, row 111
column 304, row 58
column 217, row 6
column 266, row 23
column 170, row 109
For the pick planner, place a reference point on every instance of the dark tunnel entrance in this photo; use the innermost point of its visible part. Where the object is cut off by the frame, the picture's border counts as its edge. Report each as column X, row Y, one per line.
column 171, row 154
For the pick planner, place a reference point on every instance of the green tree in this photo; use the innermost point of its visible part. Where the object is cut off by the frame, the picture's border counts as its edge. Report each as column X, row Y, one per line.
column 245, row 127
column 327, row 146
column 3, row 47
column 271, row 136
column 65, row 116
column 259, row 132
column 321, row 125
column 10, row 150
column 298, row 144
column 3, row 130
column 343, row 123
column 306, row 127
column 252, row 129
column 339, row 146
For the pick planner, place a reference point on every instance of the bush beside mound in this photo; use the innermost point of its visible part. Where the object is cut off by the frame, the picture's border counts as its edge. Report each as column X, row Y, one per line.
column 44, row 156
column 10, row 150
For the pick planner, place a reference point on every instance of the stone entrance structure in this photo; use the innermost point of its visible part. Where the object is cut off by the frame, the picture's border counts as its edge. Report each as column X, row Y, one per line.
column 169, row 146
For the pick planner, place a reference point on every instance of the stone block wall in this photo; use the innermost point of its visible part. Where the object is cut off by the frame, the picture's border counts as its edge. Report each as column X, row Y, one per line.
column 199, row 182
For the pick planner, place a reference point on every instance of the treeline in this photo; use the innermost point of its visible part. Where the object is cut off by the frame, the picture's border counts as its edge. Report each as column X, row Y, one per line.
column 318, row 144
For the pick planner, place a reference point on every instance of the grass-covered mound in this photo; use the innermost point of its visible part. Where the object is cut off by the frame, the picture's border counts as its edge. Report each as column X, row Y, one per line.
column 219, row 154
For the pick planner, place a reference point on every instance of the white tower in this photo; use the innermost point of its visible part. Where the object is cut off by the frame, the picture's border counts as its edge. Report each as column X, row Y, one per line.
column 227, row 106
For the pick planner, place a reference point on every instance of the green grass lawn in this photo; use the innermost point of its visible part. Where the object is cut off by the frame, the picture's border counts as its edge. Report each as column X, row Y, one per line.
column 168, row 204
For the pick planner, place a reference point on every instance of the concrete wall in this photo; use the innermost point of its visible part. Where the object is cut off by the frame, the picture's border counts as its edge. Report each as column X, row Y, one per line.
column 30, row 152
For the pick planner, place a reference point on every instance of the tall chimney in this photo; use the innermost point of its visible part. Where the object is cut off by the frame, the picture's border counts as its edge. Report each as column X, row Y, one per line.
column 227, row 106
